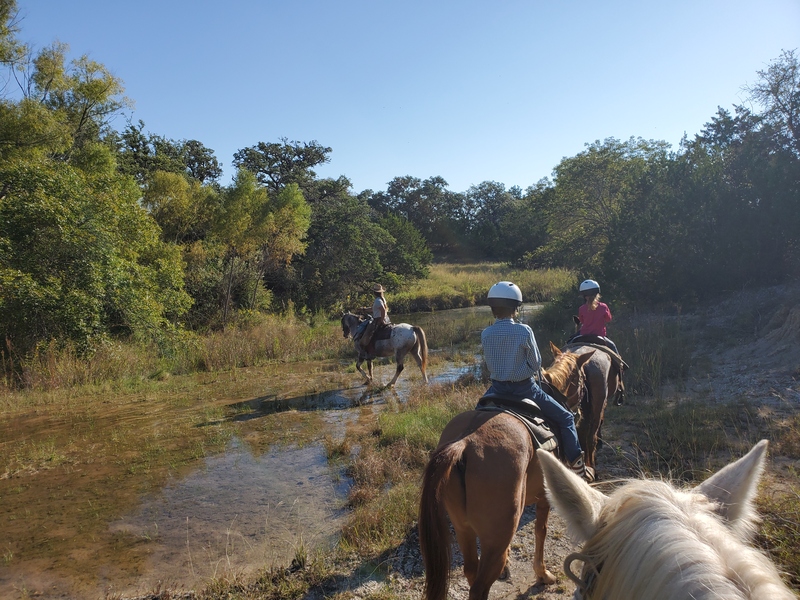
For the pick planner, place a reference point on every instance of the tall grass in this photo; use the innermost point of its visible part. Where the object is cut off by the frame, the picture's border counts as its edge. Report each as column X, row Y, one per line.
column 269, row 338
column 459, row 286
column 658, row 349
column 386, row 471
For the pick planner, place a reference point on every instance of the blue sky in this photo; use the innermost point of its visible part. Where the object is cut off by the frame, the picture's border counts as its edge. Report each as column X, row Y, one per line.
column 470, row 91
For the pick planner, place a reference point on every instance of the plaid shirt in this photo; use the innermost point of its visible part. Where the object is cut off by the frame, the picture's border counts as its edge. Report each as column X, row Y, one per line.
column 510, row 351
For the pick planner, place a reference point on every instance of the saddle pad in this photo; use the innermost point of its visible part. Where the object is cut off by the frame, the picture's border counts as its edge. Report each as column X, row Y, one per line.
column 527, row 412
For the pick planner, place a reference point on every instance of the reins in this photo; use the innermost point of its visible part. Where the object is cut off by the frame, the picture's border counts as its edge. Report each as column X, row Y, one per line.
column 586, row 583
column 563, row 397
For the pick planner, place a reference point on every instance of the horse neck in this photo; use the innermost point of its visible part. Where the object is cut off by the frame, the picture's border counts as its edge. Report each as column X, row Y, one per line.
column 560, row 371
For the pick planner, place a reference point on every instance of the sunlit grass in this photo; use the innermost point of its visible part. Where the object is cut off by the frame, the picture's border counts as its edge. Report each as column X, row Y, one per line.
column 460, row 285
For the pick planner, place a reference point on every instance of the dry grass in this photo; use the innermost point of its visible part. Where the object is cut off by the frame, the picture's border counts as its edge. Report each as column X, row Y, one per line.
column 461, row 285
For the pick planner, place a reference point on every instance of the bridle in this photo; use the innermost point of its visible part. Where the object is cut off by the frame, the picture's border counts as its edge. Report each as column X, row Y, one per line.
column 574, row 389
column 586, row 584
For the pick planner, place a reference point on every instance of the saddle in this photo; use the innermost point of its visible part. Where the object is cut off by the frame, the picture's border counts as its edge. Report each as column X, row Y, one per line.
column 597, row 342
column 528, row 413
column 382, row 332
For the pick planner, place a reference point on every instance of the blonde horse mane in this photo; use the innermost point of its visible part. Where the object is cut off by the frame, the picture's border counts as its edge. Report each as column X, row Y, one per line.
column 649, row 539
column 559, row 372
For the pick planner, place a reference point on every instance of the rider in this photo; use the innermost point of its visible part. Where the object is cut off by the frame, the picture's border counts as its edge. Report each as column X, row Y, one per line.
column 380, row 314
column 512, row 357
column 593, row 316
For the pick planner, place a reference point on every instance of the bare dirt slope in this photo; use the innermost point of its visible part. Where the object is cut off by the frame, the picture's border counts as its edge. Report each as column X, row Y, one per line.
column 754, row 342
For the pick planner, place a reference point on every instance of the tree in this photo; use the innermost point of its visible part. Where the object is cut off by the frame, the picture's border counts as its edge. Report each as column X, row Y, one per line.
column 408, row 256
column 58, row 106
column 589, row 192
column 279, row 164
column 182, row 207
column 778, row 91
column 83, row 95
column 343, row 256
column 490, row 206
column 80, row 258
column 258, row 232
column 433, row 209
column 143, row 155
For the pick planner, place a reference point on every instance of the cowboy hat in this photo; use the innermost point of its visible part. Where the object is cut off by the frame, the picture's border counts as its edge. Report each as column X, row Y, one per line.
column 378, row 288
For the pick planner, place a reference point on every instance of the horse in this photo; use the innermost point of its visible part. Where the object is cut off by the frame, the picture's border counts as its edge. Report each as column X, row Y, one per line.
column 482, row 474
column 405, row 338
column 649, row 539
column 602, row 383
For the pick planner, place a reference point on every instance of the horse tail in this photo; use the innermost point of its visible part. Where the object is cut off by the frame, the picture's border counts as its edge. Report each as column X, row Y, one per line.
column 434, row 532
column 422, row 344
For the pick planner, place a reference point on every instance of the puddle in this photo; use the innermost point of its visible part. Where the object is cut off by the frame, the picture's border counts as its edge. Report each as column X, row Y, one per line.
column 237, row 511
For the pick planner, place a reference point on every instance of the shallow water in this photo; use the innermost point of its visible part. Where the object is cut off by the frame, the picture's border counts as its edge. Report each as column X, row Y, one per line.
column 238, row 510
column 225, row 474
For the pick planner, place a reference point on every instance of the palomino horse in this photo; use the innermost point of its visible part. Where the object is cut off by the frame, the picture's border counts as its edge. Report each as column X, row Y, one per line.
column 482, row 475
column 405, row 338
column 651, row 540
column 602, row 382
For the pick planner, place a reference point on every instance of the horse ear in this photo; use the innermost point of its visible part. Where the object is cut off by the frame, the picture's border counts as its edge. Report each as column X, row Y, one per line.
column 584, row 358
column 576, row 320
column 573, row 498
column 554, row 349
column 734, row 487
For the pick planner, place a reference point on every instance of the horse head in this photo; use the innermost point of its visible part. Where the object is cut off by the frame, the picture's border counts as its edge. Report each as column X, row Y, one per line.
column 703, row 548
column 566, row 374
column 346, row 330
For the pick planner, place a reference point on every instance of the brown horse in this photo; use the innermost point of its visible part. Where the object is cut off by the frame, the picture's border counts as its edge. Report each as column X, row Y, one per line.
column 482, row 475
column 602, row 383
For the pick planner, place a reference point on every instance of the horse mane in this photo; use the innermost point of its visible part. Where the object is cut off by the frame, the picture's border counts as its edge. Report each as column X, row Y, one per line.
column 561, row 369
column 662, row 542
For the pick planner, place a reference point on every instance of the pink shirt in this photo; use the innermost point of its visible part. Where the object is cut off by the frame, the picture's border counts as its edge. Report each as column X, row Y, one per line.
column 593, row 322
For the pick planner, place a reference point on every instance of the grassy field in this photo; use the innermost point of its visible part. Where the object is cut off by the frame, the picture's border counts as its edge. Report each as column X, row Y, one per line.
column 460, row 285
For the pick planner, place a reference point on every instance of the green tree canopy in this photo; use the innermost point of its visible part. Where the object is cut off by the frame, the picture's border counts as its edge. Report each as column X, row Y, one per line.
column 278, row 164
column 80, row 258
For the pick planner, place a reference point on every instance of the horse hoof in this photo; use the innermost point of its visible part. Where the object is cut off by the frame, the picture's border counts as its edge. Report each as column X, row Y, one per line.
column 505, row 574
column 547, row 578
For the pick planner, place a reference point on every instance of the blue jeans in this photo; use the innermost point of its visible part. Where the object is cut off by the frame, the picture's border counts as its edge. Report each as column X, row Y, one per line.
column 552, row 410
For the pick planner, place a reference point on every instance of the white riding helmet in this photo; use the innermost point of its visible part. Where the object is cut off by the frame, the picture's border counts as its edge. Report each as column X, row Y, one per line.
column 504, row 293
column 590, row 286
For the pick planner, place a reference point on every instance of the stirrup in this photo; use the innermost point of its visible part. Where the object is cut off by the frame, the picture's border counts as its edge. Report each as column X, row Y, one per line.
column 619, row 396
column 581, row 470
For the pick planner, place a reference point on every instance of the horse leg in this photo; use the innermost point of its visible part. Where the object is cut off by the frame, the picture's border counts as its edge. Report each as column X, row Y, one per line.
column 496, row 523
column 398, row 369
column 540, row 529
column 467, row 542
column 367, row 377
column 492, row 564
